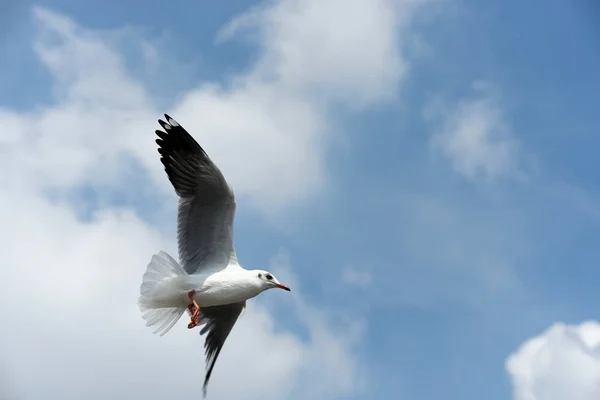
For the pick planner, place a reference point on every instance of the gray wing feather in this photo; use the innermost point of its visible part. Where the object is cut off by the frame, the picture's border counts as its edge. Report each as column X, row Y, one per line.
column 206, row 202
column 219, row 321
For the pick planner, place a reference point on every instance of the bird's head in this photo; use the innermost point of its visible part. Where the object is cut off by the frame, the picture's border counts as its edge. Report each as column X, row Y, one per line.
column 268, row 281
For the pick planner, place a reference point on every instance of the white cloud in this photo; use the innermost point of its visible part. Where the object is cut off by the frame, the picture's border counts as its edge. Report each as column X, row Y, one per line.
column 71, row 327
column 561, row 364
column 332, row 49
column 266, row 130
column 475, row 137
column 75, row 331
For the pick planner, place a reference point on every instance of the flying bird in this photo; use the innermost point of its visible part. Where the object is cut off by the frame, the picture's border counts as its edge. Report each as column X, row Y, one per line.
column 208, row 282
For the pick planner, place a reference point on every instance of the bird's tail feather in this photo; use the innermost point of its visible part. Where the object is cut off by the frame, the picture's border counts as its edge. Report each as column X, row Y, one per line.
column 161, row 267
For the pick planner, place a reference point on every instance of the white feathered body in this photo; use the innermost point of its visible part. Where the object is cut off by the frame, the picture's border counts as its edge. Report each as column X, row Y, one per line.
column 211, row 289
column 166, row 285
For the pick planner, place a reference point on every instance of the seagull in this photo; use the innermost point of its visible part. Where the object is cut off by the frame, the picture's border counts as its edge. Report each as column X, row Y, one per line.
column 208, row 282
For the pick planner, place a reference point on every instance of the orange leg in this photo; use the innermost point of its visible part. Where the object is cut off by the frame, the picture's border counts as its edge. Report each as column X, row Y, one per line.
column 194, row 310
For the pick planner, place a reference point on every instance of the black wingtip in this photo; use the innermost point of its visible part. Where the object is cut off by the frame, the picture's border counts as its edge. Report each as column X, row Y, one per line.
column 171, row 121
column 161, row 134
column 165, row 125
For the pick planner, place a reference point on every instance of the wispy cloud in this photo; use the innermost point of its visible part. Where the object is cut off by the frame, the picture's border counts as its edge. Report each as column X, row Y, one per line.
column 475, row 137
column 358, row 62
column 356, row 277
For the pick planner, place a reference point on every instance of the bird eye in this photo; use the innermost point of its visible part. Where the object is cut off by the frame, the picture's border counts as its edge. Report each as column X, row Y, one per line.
column 269, row 276
column 260, row 275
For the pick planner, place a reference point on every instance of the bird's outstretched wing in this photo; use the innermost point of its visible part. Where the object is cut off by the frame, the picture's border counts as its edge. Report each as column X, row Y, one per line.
column 206, row 202
column 218, row 320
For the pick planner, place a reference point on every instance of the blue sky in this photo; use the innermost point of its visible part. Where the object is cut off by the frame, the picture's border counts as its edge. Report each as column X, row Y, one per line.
column 445, row 201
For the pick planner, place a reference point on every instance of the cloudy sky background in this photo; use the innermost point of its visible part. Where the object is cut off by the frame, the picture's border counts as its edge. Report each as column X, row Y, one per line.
column 421, row 172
